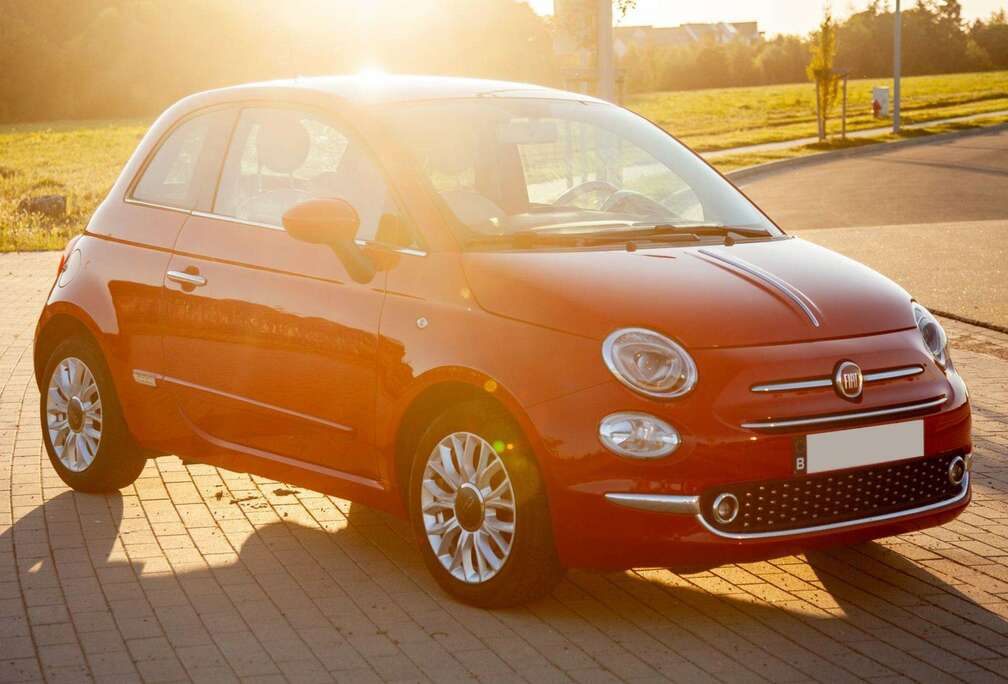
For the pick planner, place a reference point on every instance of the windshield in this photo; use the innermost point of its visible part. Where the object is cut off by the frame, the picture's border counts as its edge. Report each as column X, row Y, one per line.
column 510, row 166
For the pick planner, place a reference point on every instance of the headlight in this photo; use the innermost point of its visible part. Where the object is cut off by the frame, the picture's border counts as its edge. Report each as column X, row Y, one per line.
column 638, row 435
column 934, row 335
column 649, row 363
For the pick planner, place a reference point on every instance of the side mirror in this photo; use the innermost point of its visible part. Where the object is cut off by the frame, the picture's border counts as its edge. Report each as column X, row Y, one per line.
column 332, row 222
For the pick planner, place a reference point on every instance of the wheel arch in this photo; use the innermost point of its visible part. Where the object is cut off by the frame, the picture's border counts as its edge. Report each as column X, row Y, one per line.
column 437, row 397
column 57, row 327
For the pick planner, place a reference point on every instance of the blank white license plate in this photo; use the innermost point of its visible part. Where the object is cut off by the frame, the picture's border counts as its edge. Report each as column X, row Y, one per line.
column 862, row 447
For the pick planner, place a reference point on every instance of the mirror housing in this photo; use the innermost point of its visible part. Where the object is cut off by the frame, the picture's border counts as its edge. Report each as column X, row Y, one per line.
column 332, row 222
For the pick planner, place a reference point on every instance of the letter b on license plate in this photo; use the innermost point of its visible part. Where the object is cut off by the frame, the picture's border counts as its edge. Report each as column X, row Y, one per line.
column 826, row 451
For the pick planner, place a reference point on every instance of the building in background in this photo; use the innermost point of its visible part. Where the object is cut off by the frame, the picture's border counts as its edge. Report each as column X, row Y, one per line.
column 684, row 35
column 576, row 35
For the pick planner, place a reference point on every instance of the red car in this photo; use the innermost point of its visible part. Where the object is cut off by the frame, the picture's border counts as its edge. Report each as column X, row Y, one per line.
column 530, row 321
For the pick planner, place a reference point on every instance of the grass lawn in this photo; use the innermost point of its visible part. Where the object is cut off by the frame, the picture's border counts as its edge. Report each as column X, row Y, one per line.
column 709, row 120
column 78, row 159
column 81, row 159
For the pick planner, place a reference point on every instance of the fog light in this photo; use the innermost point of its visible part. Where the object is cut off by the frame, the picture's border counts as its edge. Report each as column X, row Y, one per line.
column 638, row 435
column 725, row 508
column 957, row 470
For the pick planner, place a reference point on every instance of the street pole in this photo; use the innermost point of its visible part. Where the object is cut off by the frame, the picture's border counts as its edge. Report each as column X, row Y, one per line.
column 843, row 129
column 820, row 124
column 897, row 52
column 605, row 58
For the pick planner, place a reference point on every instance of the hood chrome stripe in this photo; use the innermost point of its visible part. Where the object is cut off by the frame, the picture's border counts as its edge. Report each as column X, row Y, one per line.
column 785, row 288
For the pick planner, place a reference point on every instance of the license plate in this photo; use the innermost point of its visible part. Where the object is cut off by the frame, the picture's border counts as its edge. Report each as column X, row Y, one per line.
column 826, row 451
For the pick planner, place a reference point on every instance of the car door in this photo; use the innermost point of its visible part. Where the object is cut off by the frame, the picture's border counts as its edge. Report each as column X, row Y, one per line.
column 174, row 177
column 270, row 347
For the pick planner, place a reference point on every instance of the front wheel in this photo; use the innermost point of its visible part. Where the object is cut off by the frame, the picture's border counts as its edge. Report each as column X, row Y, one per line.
column 479, row 509
column 83, row 428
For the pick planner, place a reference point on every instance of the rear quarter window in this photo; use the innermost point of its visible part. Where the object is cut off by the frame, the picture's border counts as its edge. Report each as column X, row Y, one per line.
column 183, row 169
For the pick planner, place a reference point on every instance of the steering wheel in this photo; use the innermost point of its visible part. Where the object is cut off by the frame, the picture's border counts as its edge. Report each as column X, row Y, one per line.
column 633, row 202
column 584, row 188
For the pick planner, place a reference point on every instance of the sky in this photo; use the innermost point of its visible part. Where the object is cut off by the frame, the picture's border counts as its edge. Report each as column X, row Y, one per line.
column 774, row 16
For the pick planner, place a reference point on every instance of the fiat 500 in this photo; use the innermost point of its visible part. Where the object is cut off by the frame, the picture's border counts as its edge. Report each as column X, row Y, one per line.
column 530, row 321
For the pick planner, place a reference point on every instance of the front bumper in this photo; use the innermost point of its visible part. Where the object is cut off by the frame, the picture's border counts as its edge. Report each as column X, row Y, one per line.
column 691, row 505
column 590, row 488
column 677, row 541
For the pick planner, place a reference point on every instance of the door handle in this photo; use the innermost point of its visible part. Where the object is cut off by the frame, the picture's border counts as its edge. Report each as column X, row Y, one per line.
column 191, row 279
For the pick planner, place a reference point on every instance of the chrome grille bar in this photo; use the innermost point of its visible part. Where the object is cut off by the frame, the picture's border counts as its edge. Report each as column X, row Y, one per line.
column 815, row 383
column 906, row 372
column 776, row 424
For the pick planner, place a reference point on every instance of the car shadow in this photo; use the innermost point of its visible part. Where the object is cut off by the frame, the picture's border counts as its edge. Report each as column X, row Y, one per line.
column 232, row 596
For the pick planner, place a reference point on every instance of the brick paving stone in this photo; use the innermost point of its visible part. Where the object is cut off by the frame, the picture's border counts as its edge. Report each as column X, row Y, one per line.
column 171, row 580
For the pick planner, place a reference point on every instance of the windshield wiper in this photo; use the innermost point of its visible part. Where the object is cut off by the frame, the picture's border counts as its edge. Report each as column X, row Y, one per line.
column 616, row 233
column 710, row 229
column 585, row 238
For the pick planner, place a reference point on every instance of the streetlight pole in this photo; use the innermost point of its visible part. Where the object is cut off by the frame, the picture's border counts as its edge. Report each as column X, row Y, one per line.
column 605, row 58
column 897, row 52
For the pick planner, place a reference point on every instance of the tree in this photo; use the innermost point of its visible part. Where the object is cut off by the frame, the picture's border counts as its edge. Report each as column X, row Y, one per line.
column 820, row 69
column 861, row 42
column 992, row 38
column 782, row 60
column 624, row 6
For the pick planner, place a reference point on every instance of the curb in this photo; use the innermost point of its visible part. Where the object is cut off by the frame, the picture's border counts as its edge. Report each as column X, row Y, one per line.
column 970, row 321
column 739, row 176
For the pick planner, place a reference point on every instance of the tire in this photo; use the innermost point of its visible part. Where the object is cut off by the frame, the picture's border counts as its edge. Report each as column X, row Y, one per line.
column 496, row 568
column 94, row 451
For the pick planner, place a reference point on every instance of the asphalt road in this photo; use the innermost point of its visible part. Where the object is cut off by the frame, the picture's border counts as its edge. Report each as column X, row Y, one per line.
column 934, row 217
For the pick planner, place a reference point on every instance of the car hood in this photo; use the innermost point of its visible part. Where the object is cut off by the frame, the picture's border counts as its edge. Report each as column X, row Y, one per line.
column 753, row 293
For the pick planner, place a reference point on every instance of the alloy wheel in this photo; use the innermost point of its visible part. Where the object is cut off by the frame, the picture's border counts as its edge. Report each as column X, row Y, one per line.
column 468, row 507
column 74, row 414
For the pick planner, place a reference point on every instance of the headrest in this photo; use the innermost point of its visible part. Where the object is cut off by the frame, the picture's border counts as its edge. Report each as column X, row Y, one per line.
column 282, row 142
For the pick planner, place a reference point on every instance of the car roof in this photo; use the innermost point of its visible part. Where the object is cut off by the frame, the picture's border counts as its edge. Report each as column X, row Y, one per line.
column 377, row 88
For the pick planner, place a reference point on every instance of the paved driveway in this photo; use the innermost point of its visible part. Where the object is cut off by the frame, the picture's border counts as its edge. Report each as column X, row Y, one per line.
column 198, row 573
column 933, row 217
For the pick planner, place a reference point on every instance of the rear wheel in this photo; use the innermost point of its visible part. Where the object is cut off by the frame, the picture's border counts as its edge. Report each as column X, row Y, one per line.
column 83, row 429
column 479, row 509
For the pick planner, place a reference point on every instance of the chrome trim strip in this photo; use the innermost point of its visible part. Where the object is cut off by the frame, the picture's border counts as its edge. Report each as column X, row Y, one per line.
column 142, row 377
column 789, row 290
column 836, row 526
column 141, row 203
column 843, row 417
column 186, row 278
column 380, row 245
column 659, row 503
column 303, row 465
column 905, row 372
column 232, row 219
column 815, row 383
column 259, row 404
column 789, row 386
column 398, row 250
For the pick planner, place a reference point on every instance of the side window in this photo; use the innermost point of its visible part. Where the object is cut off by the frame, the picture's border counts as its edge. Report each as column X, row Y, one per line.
column 173, row 176
column 282, row 157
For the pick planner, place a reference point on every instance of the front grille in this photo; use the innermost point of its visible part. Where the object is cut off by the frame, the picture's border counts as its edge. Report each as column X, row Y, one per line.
column 808, row 501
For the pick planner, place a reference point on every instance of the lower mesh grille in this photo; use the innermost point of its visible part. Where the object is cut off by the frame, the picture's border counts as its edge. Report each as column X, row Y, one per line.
column 808, row 501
